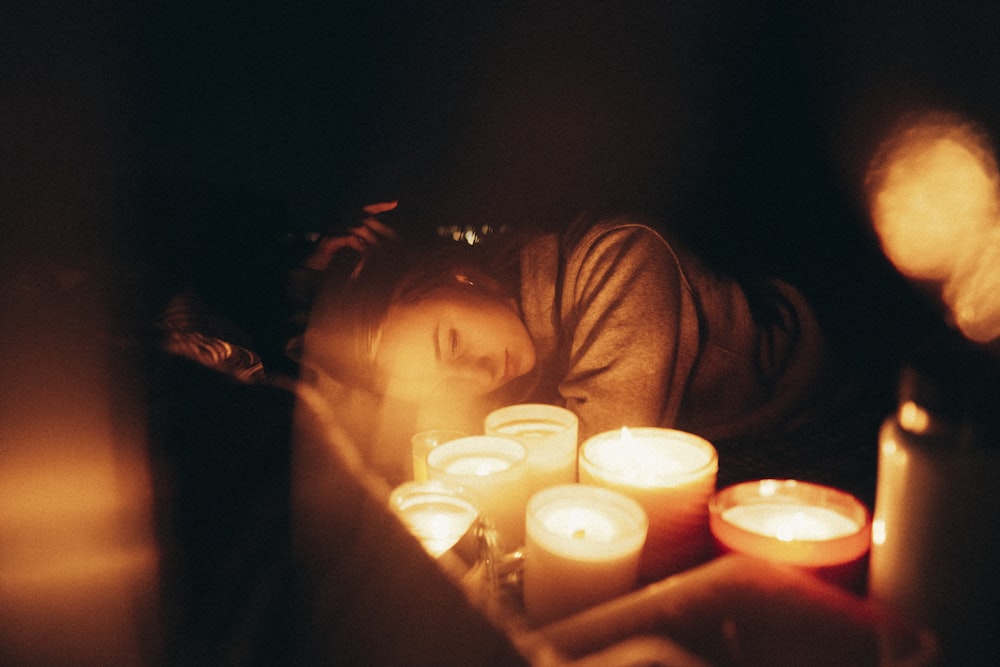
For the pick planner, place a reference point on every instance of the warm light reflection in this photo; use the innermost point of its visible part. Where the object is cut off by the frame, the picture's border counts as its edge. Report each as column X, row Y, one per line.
column 892, row 452
column 934, row 198
column 78, row 561
column 78, row 565
column 435, row 514
column 913, row 418
column 878, row 531
column 769, row 487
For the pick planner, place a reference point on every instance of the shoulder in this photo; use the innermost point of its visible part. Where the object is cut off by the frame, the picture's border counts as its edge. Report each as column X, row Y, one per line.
column 619, row 241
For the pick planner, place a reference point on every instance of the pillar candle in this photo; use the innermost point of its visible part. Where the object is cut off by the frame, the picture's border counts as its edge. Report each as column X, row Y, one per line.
column 672, row 475
column 493, row 473
column 549, row 433
column 582, row 547
column 813, row 527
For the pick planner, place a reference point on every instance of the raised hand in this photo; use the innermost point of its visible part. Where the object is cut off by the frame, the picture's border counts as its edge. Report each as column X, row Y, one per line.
column 362, row 238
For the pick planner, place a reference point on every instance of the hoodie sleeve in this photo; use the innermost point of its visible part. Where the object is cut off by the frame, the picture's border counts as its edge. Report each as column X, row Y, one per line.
column 631, row 328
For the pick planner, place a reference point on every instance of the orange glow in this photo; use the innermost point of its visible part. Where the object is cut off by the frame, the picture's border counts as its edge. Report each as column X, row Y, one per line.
column 78, row 564
column 78, row 561
column 934, row 198
column 913, row 418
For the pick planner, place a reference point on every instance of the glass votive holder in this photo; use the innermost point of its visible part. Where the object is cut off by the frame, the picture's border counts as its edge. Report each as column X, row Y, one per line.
column 493, row 473
column 422, row 443
column 671, row 474
column 582, row 547
column 436, row 514
column 810, row 526
column 550, row 434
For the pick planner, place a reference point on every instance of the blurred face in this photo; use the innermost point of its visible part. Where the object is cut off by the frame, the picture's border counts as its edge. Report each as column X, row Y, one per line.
column 458, row 341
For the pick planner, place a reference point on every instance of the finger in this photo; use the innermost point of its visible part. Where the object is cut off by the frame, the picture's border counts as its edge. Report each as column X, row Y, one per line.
column 331, row 245
column 327, row 248
column 642, row 650
column 380, row 207
column 364, row 235
column 380, row 228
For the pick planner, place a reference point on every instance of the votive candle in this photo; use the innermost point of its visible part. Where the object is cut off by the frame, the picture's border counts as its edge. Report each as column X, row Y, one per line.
column 434, row 513
column 671, row 474
column 422, row 443
column 493, row 473
column 814, row 527
column 550, row 434
column 582, row 548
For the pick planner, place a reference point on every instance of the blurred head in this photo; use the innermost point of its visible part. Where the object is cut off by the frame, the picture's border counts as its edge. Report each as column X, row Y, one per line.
column 934, row 197
column 932, row 191
column 427, row 323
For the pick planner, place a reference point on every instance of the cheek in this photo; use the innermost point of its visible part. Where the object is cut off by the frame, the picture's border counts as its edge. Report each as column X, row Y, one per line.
column 502, row 329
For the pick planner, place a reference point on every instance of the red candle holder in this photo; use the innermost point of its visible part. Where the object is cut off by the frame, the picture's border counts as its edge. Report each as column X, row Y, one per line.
column 809, row 526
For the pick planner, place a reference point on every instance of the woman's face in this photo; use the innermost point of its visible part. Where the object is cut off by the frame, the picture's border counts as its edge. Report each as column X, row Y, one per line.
column 458, row 341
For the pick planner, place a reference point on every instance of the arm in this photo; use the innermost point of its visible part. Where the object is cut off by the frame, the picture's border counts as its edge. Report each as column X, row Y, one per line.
column 631, row 330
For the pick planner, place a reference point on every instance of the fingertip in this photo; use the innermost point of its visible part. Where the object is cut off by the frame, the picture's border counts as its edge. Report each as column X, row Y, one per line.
column 380, row 207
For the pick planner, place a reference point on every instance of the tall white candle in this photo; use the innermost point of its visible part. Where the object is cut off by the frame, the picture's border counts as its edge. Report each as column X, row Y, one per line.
column 493, row 473
column 582, row 548
column 549, row 432
column 672, row 475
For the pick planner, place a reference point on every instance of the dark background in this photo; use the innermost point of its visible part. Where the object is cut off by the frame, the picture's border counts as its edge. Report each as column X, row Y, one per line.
column 198, row 135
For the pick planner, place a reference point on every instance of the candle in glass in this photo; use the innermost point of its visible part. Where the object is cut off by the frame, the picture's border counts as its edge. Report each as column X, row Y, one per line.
column 549, row 433
column 813, row 527
column 422, row 443
column 582, row 548
column 493, row 473
column 434, row 513
column 672, row 475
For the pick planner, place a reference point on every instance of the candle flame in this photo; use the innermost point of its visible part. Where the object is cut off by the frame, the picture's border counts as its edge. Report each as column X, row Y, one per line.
column 769, row 487
column 913, row 418
column 627, row 435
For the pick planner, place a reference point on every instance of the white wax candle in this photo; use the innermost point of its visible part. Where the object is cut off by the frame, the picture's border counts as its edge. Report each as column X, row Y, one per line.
column 672, row 475
column 434, row 513
column 492, row 472
column 550, row 434
column 583, row 545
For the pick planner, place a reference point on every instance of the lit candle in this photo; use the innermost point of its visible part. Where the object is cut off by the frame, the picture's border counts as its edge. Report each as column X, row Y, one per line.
column 422, row 443
column 807, row 525
column 672, row 475
column 549, row 432
column 582, row 548
column 492, row 472
column 434, row 513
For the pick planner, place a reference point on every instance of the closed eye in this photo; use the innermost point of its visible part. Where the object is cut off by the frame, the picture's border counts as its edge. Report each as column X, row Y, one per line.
column 445, row 343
